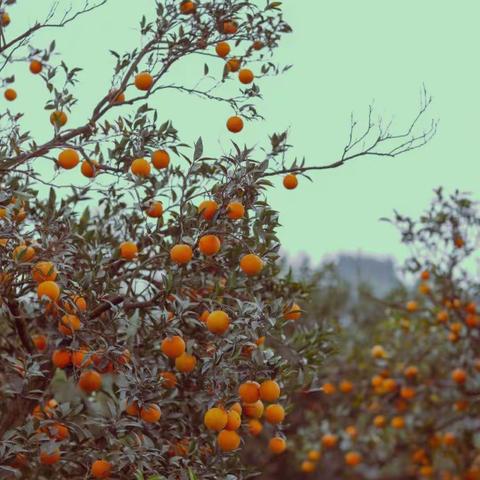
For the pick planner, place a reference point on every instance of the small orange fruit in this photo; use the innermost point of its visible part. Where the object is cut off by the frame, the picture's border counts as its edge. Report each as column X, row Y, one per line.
column 249, row 392
column 143, row 81
column 234, row 420
column 307, row 466
column 155, row 210
column 290, row 181
column 44, row 271
column 188, row 7
column 169, row 380
column 233, row 65
column 352, row 459
column 132, row 409
column 128, row 250
column 274, row 414
column 68, row 159
column 48, row 289
column 209, row 244
column 398, row 422
column 181, row 253
column 215, row 419
column 245, row 76
column 89, row 168
column 251, row 264
column 150, row 413
column 329, row 388
column 40, row 342
column 101, row 469
column 222, row 49
column 294, row 312
column 459, row 376
column 140, row 168
column 345, row 386
column 35, row 66
column 68, row 324
column 412, row 306
column 4, row 19
column 22, row 253
column 185, row 363
column 160, row 159
column 379, row 421
column 10, row 94
column 235, row 124
column 235, row 210
column 173, row 347
column 58, row 118
column 277, row 445
column 61, row 358
column 230, row 27
column 208, row 209
column 254, row 410
column 218, row 322
column 269, row 391
column 90, row 381
column 228, row 440
column 329, row 440
column 255, row 427
column 49, row 457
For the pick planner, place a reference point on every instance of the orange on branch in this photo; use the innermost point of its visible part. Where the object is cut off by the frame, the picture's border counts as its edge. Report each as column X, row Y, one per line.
column 68, row 159
column 222, row 49
column 89, row 168
column 101, row 469
column 143, row 81
column 245, row 76
column 48, row 289
column 10, row 94
column 269, row 391
column 185, row 363
column 228, row 440
column 251, row 264
column 215, row 419
column 277, row 445
column 274, row 414
column 208, row 209
column 181, row 253
column 235, row 124
column 160, row 159
column 209, row 244
column 290, row 181
column 90, row 381
column 249, row 392
column 44, row 271
column 218, row 322
column 151, row 413
column 155, row 210
column 35, row 66
column 173, row 347
column 235, row 210
column 140, row 168
column 61, row 358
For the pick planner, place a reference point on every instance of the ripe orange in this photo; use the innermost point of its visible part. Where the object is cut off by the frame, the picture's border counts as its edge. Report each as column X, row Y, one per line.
column 128, row 250
column 345, row 386
column 292, row 313
column 269, row 391
column 251, row 264
column 10, row 94
column 132, row 409
column 234, row 420
column 314, row 455
column 79, row 360
column 140, row 167
column 379, row 421
column 233, row 65
column 5, row 19
column 249, row 392
column 352, row 459
column 89, row 168
column 35, row 66
column 329, row 440
column 90, row 381
column 290, row 181
column 329, row 388
column 274, row 414
column 155, row 210
column 307, row 466
column 235, row 124
column 245, row 76
column 254, row 410
column 255, row 427
column 188, row 7
column 160, row 159
column 398, row 422
column 169, row 380
column 117, row 97
column 277, row 445
column 173, row 347
column 215, row 419
column 58, row 119
column 80, row 303
column 458, row 241
column 411, row 371
column 40, row 342
column 48, row 457
column 61, row 358
column 378, row 352
column 351, row 431
column 235, row 210
column 412, row 306
column 228, row 440
column 68, row 158
column 101, row 469
column 48, row 289
column 236, row 407
column 459, row 376
column 43, row 271
column 257, row 45
column 209, row 244
column 407, row 393
column 22, row 253
column 143, row 81
column 181, row 253
column 218, row 322
column 185, row 363
column 230, row 27
column 208, row 209
column 222, row 49
column 151, row 413
column 58, row 431
column 68, row 324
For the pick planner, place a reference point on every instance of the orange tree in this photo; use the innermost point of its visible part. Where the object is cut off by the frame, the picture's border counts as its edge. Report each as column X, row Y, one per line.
column 146, row 325
column 400, row 400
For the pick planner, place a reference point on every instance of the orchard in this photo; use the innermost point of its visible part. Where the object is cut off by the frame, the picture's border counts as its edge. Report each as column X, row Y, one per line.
column 149, row 327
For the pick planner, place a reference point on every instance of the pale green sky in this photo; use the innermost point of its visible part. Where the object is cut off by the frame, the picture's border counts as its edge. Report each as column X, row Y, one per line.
column 345, row 54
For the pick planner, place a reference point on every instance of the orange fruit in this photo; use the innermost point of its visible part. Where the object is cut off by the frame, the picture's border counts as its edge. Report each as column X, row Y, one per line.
column 35, row 66
column 58, row 431
column 155, row 210
column 208, row 209
column 269, row 391
column 292, row 313
column 10, row 94
column 204, row 316
column 89, row 168
column 222, row 49
column 173, row 347
column 5, row 19
column 58, row 119
column 128, row 250
column 61, row 358
column 412, row 306
column 132, row 409
column 140, row 167
column 228, row 440
column 307, row 466
column 90, row 381
column 257, row 45
column 230, row 27
column 329, row 388
column 48, row 289
column 181, row 253
column 378, row 352
column 22, row 253
column 345, row 386
column 329, row 440
column 459, row 376
column 118, row 97
column 245, row 76
column 48, row 457
column 233, row 65
column 151, row 413
column 80, row 303
column 235, row 124
column 169, row 380
column 290, row 181
column 215, row 419
column 188, row 7
column 218, row 322
column 40, row 342
column 234, row 420
column 235, row 210
column 68, row 324
column 43, row 271
column 314, row 455
column 254, row 410
column 79, row 360
column 277, row 445
column 352, row 459
column 411, row 371
column 458, row 241
column 249, row 392
column 398, row 422
column 185, row 363
column 251, row 264
column 255, row 427
column 379, row 421
column 209, row 244
column 236, row 407
column 274, row 414
column 160, row 159
column 143, row 81
column 101, row 469
column 68, row 158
